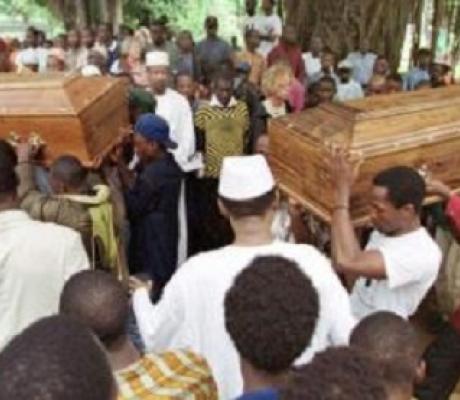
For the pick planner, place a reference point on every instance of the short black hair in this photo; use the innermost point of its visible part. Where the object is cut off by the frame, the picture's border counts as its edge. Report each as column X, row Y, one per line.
column 324, row 79
column 392, row 342
column 69, row 170
column 271, row 313
column 55, row 358
column 8, row 155
column 188, row 33
column 41, row 33
column 159, row 22
column 328, row 50
column 99, row 301
column 257, row 206
column 327, row 79
column 211, row 20
column 163, row 19
column 339, row 373
column 405, row 186
column 9, row 181
column 183, row 74
column 251, row 31
column 424, row 52
column 223, row 72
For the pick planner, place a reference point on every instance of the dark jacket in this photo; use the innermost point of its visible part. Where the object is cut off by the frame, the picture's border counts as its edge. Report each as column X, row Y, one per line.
column 152, row 208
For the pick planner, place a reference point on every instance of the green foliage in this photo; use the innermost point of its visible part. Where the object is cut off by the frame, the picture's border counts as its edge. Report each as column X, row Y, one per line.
column 33, row 12
column 188, row 14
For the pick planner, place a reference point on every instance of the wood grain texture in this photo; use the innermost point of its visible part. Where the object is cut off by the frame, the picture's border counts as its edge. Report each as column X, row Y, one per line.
column 72, row 114
column 420, row 129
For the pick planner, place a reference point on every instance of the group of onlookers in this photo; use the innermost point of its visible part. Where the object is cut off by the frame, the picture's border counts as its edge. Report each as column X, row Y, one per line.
column 177, row 270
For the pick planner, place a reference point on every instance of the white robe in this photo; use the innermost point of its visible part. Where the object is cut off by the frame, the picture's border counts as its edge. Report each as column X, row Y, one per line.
column 191, row 312
column 176, row 110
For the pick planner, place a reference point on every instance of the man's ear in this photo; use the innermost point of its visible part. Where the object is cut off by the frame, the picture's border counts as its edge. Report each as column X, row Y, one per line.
column 420, row 372
column 224, row 212
column 409, row 209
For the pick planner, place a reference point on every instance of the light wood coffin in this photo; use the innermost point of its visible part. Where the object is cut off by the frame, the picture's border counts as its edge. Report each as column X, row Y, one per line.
column 71, row 114
column 415, row 129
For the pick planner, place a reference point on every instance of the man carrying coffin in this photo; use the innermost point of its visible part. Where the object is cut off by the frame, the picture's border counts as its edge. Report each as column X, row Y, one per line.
column 401, row 261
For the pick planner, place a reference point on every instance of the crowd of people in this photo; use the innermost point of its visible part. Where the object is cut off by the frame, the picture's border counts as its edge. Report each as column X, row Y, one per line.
column 177, row 269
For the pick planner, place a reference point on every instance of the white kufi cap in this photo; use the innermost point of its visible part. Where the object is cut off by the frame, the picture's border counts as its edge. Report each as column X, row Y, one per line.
column 245, row 178
column 345, row 64
column 157, row 59
column 90, row 70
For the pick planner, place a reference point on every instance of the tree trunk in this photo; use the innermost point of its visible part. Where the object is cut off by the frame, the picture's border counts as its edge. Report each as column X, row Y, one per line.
column 104, row 10
column 344, row 24
column 115, row 13
column 118, row 18
column 81, row 14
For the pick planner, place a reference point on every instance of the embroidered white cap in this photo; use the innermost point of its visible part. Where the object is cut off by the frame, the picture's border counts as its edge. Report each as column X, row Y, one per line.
column 157, row 59
column 90, row 70
column 245, row 178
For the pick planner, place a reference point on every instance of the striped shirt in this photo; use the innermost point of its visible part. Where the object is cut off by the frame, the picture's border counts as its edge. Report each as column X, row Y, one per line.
column 224, row 133
column 171, row 375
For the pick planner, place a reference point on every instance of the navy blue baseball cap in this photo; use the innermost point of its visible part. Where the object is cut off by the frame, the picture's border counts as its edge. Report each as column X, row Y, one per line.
column 153, row 127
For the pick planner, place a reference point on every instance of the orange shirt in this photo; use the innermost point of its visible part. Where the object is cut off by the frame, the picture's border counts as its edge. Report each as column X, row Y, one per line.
column 257, row 63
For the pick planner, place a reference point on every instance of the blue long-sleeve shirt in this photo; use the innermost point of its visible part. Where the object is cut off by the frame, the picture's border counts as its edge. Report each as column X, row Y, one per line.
column 152, row 207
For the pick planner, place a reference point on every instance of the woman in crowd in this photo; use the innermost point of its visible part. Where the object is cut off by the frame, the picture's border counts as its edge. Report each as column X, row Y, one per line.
column 276, row 83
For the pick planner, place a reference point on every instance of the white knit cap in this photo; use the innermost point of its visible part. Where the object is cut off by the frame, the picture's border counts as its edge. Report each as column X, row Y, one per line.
column 245, row 178
column 157, row 59
column 90, row 70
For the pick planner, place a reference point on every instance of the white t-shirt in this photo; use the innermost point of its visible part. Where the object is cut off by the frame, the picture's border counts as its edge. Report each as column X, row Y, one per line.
column 248, row 23
column 191, row 311
column 349, row 91
column 267, row 25
column 27, row 57
column 363, row 66
column 412, row 264
column 36, row 259
column 312, row 65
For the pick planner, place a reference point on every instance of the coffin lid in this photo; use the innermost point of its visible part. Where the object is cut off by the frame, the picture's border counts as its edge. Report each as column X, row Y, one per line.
column 72, row 114
column 373, row 124
column 54, row 94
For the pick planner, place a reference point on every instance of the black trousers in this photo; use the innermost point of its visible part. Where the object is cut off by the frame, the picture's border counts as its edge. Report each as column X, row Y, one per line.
column 208, row 229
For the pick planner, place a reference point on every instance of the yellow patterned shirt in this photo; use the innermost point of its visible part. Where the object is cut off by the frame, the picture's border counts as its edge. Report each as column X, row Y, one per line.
column 172, row 375
column 225, row 134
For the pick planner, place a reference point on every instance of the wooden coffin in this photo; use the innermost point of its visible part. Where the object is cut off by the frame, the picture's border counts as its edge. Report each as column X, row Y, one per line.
column 417, row 129
column 71, row 114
